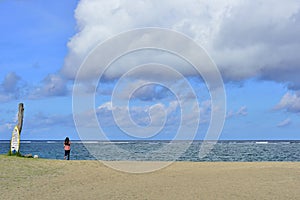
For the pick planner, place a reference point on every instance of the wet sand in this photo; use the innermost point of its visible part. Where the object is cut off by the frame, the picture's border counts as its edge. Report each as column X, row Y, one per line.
column 28, row 178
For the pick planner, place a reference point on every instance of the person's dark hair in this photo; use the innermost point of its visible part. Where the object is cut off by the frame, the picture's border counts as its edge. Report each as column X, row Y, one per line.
column 67, row 140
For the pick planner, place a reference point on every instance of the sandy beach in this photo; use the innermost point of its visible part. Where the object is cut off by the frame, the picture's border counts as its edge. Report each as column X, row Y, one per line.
column 24, row 178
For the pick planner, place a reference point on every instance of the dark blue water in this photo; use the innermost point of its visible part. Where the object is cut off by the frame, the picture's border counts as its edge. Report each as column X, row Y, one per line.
column 246, row 151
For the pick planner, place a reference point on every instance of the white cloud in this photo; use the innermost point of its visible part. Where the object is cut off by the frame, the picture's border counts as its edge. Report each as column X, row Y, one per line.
column 242, row 111
column 98, row 20
column 256, row 42
column 10, row 88
column 139, row 114
column 284, row 123
column 52, row 85
column 10, row 82
column 107, row 106
column 289, row 102
column 245, row 38
column 149, row 92
column 14, row 87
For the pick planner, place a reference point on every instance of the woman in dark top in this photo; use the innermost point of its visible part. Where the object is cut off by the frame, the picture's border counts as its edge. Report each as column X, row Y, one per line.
column 67, row 148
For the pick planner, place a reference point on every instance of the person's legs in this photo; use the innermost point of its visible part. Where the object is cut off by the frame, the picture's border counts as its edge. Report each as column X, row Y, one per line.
column 69, row 155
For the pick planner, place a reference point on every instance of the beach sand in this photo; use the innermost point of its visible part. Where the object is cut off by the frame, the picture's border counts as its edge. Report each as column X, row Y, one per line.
column 25, row 178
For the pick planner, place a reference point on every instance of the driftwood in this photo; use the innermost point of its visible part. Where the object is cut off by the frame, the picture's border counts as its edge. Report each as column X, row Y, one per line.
column 20, row 117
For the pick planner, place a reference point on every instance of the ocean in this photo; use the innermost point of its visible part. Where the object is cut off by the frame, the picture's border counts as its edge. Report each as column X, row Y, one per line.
column 244, row 151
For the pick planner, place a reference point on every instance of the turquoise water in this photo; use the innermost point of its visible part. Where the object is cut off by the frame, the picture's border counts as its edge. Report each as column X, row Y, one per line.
column 151, row 150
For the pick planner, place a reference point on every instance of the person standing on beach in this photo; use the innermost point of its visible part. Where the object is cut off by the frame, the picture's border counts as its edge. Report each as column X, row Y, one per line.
column 67, row 148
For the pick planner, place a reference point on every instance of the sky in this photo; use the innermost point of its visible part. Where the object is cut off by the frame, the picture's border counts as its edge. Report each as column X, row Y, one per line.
column 254, row 44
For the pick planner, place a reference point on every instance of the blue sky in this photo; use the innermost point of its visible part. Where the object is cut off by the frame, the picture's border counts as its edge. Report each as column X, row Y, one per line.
column 43, row 43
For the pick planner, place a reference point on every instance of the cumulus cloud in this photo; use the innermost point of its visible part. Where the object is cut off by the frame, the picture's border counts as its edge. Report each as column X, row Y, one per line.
column 10, row 82
column 139, row 114
column 150, row 93
column 52, row 85
column 98, row 20
column 284, row 123
column 10, row 87
column 244, row 38
column 13, row 87
column 255, row 42
column 289, row 102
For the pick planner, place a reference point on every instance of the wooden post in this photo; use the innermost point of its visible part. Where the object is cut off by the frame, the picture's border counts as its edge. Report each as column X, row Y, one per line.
column 15, row 138
column 20, row 117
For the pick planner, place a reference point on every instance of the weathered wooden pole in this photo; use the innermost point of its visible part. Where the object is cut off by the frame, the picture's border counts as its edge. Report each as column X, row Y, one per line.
column 20, row 117
column 15, row 138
